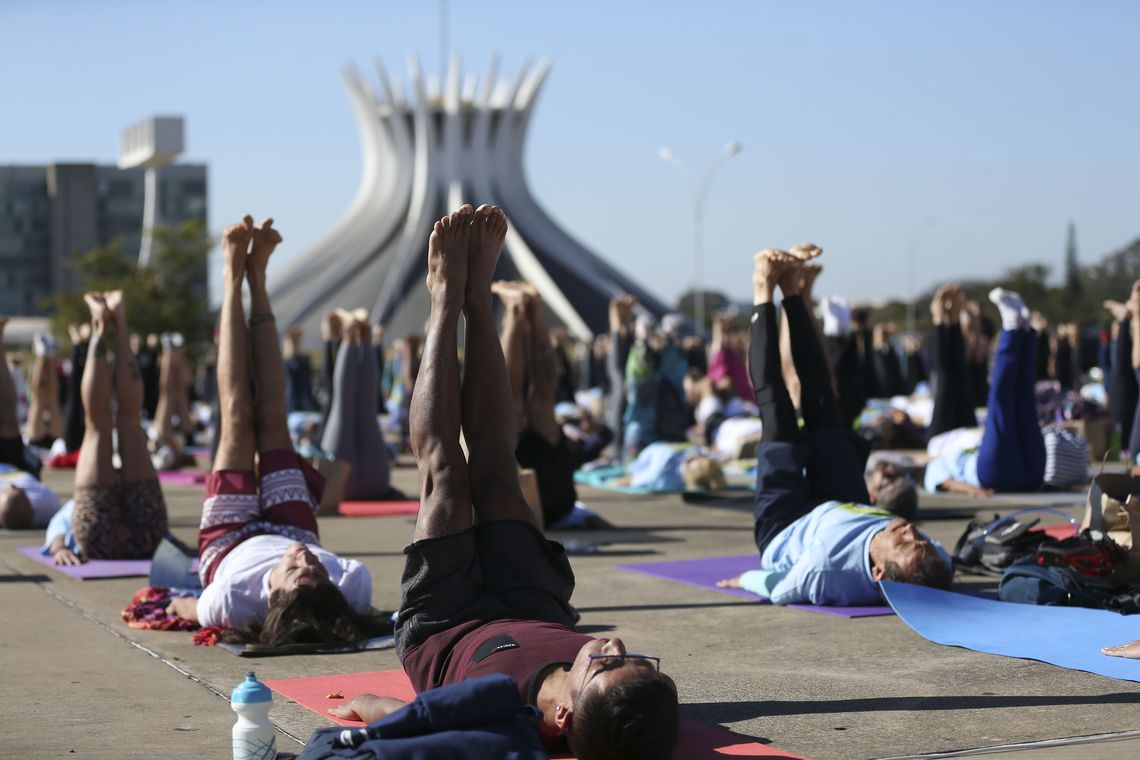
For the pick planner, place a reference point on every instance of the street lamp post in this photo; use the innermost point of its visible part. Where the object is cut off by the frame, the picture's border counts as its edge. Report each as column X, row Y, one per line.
column 698, row 193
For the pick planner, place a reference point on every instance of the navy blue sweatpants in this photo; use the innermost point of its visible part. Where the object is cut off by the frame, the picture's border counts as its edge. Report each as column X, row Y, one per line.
column 1012, row 454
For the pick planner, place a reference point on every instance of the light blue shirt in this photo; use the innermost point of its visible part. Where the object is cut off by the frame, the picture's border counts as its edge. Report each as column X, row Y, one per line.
column 658, row 466
column 60, row 525
column 959, row 465
column 824, row 557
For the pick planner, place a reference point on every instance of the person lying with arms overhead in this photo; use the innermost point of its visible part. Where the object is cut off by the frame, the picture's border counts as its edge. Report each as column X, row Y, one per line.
column 483, row 591
column 826, row 534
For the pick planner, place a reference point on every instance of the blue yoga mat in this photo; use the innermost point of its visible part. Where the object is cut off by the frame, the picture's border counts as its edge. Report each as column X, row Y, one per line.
column 1069, row 637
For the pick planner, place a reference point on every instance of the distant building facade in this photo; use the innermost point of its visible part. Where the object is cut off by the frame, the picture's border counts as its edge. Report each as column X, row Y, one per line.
column 50, row 214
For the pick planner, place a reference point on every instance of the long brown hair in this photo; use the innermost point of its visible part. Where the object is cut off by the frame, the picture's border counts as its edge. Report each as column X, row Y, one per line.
column 305, row 615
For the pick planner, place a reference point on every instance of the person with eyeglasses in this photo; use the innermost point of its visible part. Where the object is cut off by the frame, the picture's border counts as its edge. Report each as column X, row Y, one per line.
column 827, row 534
column 483, row 590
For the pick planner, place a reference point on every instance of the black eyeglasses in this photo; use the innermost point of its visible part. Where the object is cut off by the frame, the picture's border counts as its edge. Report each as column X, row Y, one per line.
column 608, row 659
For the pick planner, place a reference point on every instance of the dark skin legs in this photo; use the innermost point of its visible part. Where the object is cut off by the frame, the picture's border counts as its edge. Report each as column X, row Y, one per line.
column 445, row 490
column 490, row 479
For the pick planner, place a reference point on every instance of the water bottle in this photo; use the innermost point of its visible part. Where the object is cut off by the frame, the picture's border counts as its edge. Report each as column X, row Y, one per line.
column 254, row 737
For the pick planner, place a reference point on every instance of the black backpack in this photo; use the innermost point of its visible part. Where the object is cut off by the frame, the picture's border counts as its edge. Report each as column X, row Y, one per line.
column 989, row 547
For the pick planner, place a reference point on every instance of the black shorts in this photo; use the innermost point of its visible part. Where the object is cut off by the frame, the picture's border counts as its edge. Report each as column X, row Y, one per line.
column 554, row 466
column 499, row 570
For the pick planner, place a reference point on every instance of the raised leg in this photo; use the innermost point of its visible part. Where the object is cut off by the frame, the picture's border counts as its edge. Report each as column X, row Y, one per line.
column 776, row 409
column 445, row 492
column 516, row 342
column 133, row 453
column 490, row 401
column 270, row 414
column 543, row 372
column 339, row 437
column 375, row 477
column 95, row 467
column 236, row 442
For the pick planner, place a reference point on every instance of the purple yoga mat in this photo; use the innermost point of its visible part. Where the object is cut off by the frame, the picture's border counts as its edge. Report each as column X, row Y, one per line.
column 194, row 478
column 95, row 568
column 705, row 572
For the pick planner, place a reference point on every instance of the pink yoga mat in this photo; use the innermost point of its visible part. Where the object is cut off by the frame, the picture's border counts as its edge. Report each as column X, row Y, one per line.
column 705, row 572
column 697, row 741
column 183, row 477
column 95, row 568
column 379, row 508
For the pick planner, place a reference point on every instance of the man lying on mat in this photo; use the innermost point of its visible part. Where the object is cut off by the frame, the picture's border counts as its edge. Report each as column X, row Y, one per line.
column 483, row 591
column 1011, row 456
column 820, row 539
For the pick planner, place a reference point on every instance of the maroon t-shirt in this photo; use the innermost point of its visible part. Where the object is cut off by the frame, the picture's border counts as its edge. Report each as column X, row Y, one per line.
column 517, row 648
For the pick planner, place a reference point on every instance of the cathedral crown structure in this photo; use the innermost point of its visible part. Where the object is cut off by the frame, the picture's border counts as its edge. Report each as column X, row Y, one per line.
column 426, row 152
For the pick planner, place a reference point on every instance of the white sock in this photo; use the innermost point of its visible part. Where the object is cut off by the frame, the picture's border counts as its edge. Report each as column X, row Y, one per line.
column 1012, row 308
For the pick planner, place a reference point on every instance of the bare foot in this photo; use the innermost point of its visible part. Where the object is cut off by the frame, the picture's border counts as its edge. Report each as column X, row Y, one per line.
column 447, row 257
column 265, row 241
column 99, row 314
column 808, row 275
column 1131, row 651
column 729, row 583
column 1038, row 322
column 769, row 267
column 512, row 292
column 488, row 231
column 235, row 247
column 72, row 332
column 805, row 251
column 116, row 307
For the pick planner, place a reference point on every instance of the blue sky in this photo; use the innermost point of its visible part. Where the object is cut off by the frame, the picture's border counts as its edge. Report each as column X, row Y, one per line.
column 978, row 129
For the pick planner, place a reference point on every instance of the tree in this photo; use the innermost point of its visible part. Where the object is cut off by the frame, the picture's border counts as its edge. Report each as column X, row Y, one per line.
column 169, row 295
column 1072, row 268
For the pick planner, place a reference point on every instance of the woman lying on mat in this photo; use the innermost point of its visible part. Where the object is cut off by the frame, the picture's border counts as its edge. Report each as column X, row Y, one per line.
column 260, row 561
column 1011, row 456
column 116, row 514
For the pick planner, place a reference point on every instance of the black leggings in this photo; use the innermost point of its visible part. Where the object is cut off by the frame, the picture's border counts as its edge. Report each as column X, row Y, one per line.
column 817, row 401
column 1123, row 389
column 74, row 423
column 950, row 382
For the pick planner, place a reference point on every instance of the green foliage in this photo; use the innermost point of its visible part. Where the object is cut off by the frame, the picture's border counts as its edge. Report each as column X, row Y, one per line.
column 170, row 295
column 1079, row 300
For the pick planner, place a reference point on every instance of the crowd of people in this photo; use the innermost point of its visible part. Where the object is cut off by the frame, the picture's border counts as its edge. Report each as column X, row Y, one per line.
column 798, row 391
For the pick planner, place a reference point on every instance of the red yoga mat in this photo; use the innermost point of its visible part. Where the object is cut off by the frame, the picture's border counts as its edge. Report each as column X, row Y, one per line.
column 696, row 742
column 379, row 508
